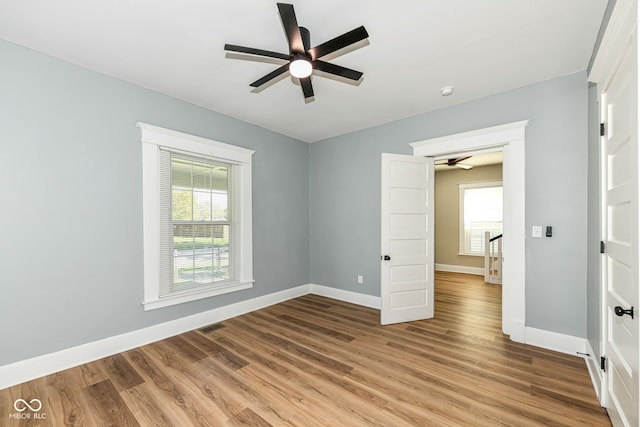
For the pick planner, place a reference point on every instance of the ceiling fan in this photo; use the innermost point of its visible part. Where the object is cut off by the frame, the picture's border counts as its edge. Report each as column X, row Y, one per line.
column 456, row 162
column 302, row 59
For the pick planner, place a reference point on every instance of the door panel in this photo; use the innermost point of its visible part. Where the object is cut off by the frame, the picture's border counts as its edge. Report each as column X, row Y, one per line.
column 620, row 233
column 407, row 238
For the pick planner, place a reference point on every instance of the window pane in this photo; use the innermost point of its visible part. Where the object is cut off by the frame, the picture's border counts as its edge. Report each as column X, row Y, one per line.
column 201, row 254
column 482, row 212
column 221, row 235
column 204, row 268
column 203, row 236
column 183, row 242
column 201, row 206
column 220, row 178
column 220, row 196
column 202, row 176
column 182, row 271
column 221, row 263
column 483, row 204
column 181, row 173
column 220, row 209
column 181, row 205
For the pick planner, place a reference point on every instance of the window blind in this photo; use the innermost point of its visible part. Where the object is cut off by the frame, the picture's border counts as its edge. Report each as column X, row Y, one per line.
column 195, row 223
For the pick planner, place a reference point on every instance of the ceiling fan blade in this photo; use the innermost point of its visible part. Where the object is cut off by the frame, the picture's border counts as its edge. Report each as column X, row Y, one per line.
column 307, row 88
column 337, row 70
column 291, row 27
column 253, row 51
column 454, row 161
column 272, row 75
column 338, row 43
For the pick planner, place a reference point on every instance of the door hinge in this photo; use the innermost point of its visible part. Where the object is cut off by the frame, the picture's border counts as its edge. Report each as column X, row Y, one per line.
column 602, row 247
column 602, row 129
column 603, row 363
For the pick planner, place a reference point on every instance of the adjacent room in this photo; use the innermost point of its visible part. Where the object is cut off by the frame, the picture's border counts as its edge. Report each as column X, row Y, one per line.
column 319, row 213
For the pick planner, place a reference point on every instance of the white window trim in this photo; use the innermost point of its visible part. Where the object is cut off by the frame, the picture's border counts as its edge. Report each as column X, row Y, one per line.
column 461, row 188
column 152, row 139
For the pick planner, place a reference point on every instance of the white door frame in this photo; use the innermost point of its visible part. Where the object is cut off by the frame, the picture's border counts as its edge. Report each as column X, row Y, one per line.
column 510, row 139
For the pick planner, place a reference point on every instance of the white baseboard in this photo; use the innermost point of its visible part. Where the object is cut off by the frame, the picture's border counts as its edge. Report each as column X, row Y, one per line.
column 593, row 365
column 25, row 370
column 478, row 271
column 554, row 341
column 347, row 296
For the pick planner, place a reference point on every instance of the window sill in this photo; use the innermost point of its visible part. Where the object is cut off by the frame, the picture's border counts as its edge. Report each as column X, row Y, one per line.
column 194, row 295
column 468, row 254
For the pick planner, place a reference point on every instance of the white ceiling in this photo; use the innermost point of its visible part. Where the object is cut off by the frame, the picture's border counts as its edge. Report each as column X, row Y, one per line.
column 415, row 47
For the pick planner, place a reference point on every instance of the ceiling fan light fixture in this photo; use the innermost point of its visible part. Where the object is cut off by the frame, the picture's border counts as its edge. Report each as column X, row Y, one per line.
column 300, row 68
column 302, row 59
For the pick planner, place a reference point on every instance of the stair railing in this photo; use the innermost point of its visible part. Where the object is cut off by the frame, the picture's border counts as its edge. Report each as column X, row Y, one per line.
column 492, row 258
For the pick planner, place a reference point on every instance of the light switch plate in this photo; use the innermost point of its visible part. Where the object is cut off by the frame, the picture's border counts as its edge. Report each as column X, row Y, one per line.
column 536, row 231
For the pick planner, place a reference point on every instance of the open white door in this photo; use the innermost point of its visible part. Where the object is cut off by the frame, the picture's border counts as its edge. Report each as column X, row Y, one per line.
column 407, row 238
column 620, row 236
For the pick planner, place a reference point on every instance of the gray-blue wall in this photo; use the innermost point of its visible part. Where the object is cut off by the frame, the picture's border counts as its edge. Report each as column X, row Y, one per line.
column 345, row 195
column 71, row 204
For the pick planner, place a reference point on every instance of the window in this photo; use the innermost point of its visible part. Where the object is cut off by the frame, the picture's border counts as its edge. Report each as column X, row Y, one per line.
column 480, row 211
column 197, row 217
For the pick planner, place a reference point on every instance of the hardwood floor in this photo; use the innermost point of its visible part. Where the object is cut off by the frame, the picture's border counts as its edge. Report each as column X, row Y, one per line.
column 314, row 361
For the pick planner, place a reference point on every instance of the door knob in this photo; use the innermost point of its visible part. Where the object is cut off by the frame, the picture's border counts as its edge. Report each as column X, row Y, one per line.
column 386, row 258
column 621, row 311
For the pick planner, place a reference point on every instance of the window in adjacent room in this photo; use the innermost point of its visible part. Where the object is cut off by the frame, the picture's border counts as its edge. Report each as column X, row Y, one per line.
column 197, row 217
column 480, row 211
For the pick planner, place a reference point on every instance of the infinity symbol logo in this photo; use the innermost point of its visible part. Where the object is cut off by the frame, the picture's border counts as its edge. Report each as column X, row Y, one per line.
column 21, row 405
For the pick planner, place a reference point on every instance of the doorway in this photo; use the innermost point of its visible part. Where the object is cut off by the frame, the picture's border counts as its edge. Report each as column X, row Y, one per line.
column 508, row 138
column 468, row 202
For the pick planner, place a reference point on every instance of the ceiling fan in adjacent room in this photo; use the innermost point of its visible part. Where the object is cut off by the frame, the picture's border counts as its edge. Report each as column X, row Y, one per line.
column 456, row 162
column 302, row 59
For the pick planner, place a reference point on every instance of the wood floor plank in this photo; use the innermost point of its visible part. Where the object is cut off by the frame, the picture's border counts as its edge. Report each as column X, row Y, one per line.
column 237, row 387
column 315, row 361
column 184, row 347
column 207, row 396
column 64, row 404
column 148, row 406
column 174, row 395
column 248, row 418
column 215, row 350
column 107, row 407
column 120, row 372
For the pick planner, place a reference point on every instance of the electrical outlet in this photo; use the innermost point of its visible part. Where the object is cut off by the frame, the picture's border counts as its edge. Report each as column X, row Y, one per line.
column 360, row 279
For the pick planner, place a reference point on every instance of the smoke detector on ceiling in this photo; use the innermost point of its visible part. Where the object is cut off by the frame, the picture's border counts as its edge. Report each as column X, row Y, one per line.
column 446, row 90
